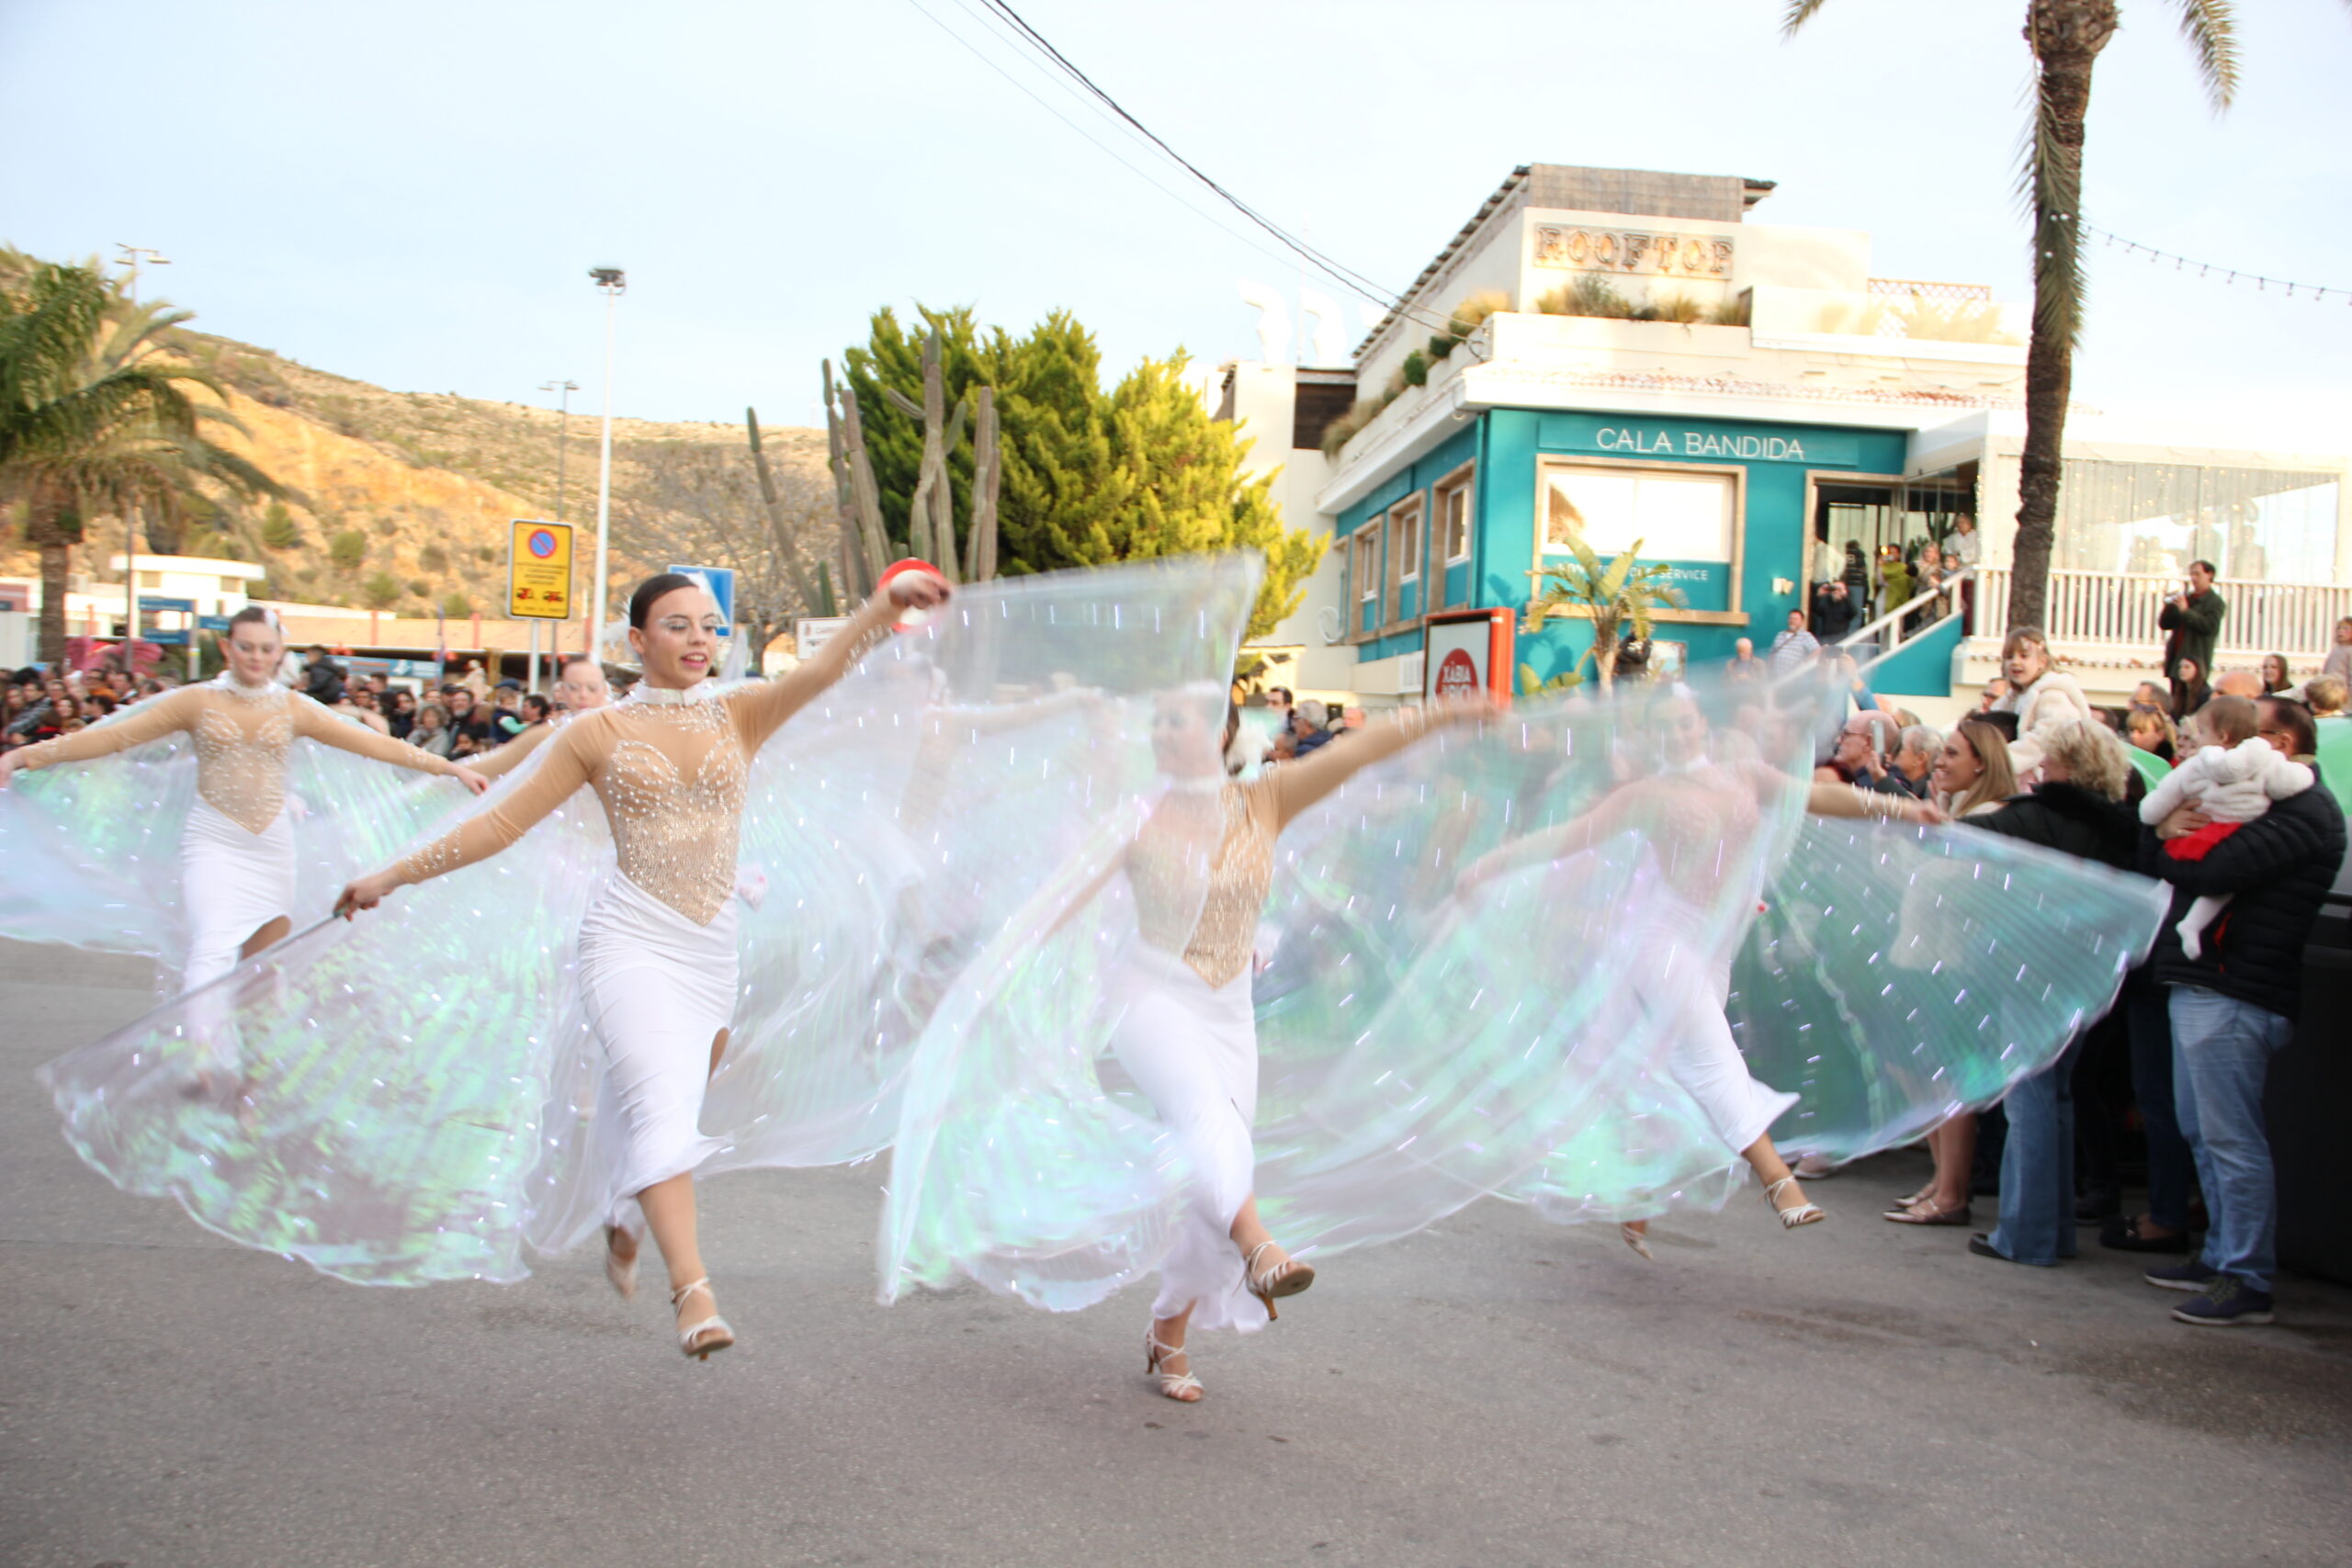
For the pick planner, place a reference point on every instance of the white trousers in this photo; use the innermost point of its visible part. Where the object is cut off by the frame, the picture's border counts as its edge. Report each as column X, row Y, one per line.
column 1192, row 1050
column 657, row 989
column 1701, row 1056
column 232, row 883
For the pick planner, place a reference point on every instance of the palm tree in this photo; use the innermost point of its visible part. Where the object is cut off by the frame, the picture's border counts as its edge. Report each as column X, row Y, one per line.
column 95, row 420
column 1613, row 593
column 2066, row 37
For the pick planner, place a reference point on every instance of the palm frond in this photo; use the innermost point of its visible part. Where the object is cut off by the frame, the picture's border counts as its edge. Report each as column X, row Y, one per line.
column 1796, row 14
column 137, row 331
column 2211, row 28
column 1614, row 581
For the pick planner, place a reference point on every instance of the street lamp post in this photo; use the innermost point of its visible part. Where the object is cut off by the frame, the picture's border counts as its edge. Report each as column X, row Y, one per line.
column 612, row 282
column 563, row 389
column 129, row 256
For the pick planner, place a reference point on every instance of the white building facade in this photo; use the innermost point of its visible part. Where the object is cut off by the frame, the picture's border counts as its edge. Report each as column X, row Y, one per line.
column 1623, row 356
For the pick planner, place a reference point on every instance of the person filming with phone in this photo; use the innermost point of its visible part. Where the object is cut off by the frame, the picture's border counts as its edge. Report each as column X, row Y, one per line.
column 2191, row 622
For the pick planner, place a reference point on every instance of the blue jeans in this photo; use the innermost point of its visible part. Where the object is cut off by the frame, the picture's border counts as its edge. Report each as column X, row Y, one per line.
column 2172, row 1170
column 2037, row 1224
column 2221, row 1051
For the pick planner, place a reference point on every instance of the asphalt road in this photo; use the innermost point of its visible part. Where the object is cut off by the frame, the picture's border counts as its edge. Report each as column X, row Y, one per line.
column 1496, row 1392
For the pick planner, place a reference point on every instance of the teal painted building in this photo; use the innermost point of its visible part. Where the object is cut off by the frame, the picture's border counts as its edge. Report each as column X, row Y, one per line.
column 1729, row 506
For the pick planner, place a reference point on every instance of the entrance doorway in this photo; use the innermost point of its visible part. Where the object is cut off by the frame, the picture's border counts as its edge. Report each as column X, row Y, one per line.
column 1861, row 524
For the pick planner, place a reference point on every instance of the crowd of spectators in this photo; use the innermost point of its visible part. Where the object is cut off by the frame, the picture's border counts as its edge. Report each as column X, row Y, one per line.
column 2185, row 1053
column 466, row 717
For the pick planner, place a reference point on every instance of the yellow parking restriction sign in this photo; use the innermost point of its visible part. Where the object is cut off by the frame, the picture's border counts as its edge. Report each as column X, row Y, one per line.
column 538, row 570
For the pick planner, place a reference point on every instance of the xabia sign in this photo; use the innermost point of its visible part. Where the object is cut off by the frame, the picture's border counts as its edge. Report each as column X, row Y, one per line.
column 1458, row 674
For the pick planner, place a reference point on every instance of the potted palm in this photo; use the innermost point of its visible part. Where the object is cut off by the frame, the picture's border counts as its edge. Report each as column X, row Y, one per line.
column 1617, row 596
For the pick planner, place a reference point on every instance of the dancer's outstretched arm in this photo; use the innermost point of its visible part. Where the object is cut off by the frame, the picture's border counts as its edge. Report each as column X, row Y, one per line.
column 1573, row 837
column 479, row 837
column 315, row 722
column 1297, row 785
column 509, row 757
column 760, row 709
column 148, row 721
column 1845, row 800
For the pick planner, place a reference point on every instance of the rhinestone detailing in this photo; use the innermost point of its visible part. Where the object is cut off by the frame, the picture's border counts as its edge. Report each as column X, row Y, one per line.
column 431, row 859
column 240, row 750
column 673, row 790
column 1212, row 921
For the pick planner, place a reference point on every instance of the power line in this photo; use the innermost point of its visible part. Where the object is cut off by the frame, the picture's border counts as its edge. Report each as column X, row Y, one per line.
column 2230, row 275
column 1036, row 43
column 1107, row 151
column 1346, row 276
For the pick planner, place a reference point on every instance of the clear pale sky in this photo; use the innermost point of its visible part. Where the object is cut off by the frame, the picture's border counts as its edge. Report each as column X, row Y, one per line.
column 411, row 194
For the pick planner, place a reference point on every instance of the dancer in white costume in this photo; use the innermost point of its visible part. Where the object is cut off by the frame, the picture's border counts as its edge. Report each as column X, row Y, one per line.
column 657, row 959
column 237, row 858
column 1695, row 811
column 1187, row 1033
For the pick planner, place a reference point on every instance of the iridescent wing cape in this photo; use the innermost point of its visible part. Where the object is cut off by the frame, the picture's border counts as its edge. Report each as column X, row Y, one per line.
column 90, row 852
column 1894, row 976
column 414, row 1090
column 1423, row 1040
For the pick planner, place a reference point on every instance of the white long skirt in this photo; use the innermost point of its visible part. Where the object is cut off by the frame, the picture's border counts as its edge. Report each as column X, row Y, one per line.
column 657, row 989
column 232, row 883
column 1703, row 1056
column 1192, row 1050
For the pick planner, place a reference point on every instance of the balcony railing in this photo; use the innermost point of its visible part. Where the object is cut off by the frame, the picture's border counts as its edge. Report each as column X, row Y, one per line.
column 2101, row 617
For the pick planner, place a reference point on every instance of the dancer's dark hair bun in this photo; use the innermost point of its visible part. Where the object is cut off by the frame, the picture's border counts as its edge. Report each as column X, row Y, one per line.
column 640, row 604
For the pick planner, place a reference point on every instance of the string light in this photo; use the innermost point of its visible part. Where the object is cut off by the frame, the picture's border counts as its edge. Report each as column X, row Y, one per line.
column 2207, row 269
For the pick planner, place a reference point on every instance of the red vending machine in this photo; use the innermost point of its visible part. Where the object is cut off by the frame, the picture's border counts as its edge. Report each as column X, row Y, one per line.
column 1467, row 650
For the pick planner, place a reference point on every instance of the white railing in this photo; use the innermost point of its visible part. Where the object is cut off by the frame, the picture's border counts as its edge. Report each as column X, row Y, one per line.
column 2105, row 616
column 1886, row 632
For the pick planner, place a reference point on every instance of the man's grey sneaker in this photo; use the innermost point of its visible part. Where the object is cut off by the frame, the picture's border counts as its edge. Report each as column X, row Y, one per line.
column 2227, row 1303
column 2192, row 1276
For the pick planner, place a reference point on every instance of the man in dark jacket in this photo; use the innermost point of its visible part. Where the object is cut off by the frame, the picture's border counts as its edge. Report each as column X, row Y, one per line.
column 1833, row 612
column 2231, row 1009
column 321, row 675
column 2191, row 622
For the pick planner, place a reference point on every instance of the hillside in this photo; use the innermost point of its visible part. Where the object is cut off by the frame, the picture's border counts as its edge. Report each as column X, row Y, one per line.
column 400, row 499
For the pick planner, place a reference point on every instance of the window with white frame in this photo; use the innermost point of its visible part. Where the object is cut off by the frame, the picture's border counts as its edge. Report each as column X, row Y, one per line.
column 1454, row 517
column 1673, row 515
column 1405, row 539
column 1403, row 530
column 1364, row 565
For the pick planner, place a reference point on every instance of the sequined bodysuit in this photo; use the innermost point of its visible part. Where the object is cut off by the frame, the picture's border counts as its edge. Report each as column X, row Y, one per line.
column 241, row 734
column 1212, row 923
column 1700, row 823
column 670, row 769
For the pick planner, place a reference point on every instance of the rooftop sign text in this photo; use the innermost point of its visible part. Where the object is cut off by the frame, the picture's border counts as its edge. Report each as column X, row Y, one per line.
column 1633, row 250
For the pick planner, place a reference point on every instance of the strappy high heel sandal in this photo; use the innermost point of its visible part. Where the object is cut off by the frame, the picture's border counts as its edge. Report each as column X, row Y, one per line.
column 1635, row 1236
column 622, row 1275
column 1803, row 1215
column 700, row 1340
column 1181, row 1387
column 1285, row 1279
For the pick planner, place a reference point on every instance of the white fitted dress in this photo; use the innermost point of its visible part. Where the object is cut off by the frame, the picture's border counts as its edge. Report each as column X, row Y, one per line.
column 657, row 948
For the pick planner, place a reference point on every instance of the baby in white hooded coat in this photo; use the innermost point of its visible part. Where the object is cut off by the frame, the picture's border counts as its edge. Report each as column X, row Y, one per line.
column 2231, row 778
